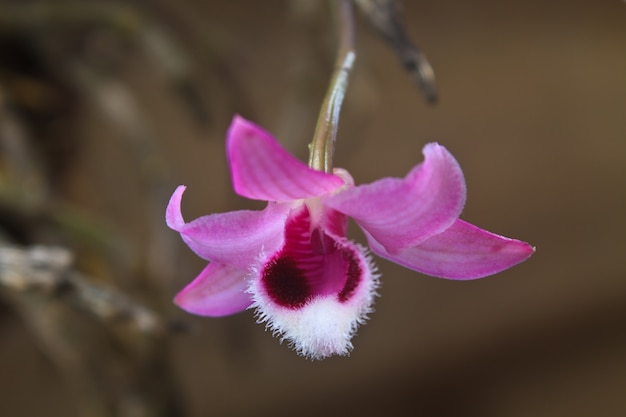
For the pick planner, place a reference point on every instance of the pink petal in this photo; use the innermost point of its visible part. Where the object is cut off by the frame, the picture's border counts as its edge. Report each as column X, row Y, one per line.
column 316, row 290
column 262, row 170
column 400, row 213
column 235, row 238
column 461, row 252
column 219, row 290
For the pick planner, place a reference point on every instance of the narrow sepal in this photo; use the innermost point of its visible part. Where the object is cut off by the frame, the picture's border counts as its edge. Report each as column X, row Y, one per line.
column 402, row 212
column 262, row 169
column 219, row 290
column 236, row 238
column 461, row 252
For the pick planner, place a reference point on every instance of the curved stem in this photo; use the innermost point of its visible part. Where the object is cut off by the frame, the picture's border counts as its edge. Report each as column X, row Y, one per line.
column 323, row 145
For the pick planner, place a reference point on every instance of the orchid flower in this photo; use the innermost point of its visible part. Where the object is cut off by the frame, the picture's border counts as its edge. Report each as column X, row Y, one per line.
column 292, row 261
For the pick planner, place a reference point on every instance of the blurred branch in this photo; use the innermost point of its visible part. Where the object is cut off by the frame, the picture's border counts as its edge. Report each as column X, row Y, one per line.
column 115, row 358
column 48, row 270
column 385, row 17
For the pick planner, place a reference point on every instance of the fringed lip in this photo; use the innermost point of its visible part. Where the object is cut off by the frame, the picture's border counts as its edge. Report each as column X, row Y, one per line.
column 314, row 299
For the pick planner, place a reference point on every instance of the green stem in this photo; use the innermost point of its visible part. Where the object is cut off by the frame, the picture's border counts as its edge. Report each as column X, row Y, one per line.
column 323, row 145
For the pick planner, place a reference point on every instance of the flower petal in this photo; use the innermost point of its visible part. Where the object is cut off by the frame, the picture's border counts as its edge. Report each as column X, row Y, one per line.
column 261, row 169
column 219, row 290
column 314, row 294
column 461, row 252
column 236, row 238
column 400, row 213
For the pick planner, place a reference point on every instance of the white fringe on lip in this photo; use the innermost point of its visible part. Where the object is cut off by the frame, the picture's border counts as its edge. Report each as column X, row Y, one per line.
column 324, row 326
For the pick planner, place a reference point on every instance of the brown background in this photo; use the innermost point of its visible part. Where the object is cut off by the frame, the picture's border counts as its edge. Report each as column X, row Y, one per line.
column 533, row 105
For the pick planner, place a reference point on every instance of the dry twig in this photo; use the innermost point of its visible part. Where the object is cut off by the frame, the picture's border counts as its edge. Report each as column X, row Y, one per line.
column 49, row 270
column 385, row 17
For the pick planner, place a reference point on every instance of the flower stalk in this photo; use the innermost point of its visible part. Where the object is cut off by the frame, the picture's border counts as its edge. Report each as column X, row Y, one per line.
column 322, row 147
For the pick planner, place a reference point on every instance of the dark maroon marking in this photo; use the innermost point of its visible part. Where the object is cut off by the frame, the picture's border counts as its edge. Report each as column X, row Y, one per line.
column 353, row 278
column 285, row 283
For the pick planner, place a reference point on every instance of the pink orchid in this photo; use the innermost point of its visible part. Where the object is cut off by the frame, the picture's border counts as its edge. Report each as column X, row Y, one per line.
column 292, row 261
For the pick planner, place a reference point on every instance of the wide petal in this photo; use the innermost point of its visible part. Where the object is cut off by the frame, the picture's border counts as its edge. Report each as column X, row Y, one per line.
column 461, row 252
column 314, row 295
column 401, row 213
column 219, row 290
column 236, row 238
column 261, row 169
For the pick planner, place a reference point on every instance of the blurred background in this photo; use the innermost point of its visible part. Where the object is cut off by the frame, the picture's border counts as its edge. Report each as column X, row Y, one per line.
column 106, row 106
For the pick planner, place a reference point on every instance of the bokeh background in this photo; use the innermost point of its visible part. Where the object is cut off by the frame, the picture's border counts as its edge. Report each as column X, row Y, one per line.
column 107, row 106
